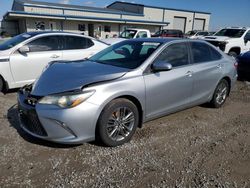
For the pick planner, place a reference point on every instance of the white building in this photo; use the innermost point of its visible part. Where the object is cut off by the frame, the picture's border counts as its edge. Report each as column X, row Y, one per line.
column 104, row 22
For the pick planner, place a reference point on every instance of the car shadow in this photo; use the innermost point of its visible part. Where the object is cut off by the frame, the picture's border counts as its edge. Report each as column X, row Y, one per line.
column 9, row 91
column 13, row 119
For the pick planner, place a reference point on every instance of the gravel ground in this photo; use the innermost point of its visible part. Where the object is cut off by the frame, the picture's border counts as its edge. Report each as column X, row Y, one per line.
column 198, row 147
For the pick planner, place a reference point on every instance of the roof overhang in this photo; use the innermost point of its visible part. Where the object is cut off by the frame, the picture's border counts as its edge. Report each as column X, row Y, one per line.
column 22, row 14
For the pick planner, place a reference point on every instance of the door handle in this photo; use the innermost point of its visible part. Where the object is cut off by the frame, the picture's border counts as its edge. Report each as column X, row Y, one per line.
column 219, row 66
column 189, row 73
column 54, row 56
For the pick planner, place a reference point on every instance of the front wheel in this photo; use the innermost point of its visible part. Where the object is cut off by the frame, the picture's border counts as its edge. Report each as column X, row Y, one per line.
column 117, row 122
column 220, row 94
column 233, row 54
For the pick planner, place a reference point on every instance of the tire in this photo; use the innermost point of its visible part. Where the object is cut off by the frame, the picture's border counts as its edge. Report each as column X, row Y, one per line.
column 117, row 123
column 233, row 54
column 220, row 94
column 1, row 84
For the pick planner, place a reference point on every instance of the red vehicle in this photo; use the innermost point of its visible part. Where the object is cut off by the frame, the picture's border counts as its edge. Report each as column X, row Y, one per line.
column 168, row 33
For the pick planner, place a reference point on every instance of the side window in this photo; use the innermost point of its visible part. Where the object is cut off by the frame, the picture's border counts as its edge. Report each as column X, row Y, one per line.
column 201, row 52
column 75, row 43
column 49, row 43
column 175, row 54
column 247, row 36
column 142, row 34
column 215, row 55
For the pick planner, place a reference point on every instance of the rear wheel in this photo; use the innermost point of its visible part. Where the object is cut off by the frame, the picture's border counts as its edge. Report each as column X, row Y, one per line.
column 117, row 123
column 220, row 94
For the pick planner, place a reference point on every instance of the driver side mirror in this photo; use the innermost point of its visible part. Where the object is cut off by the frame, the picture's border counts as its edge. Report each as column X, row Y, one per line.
column 161, row 66
column 24, row 49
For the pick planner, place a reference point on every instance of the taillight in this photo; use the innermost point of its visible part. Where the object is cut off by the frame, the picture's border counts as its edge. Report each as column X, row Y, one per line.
column 236, row 64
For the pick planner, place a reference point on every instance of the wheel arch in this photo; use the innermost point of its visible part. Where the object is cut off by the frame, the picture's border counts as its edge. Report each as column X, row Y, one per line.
column 137, row 104
column 235, row 49
column 227, row 78
column 5, row 83
column 129, row 97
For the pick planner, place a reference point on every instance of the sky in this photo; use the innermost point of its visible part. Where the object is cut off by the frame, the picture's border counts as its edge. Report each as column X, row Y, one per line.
column 223, row 12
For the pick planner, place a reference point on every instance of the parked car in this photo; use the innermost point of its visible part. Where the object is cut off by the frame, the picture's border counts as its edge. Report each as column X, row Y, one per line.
column 111, row 94
column 23, row 57
column 231, row 40
column 244, row 66
column 196, row 34
column 168, row 33
column 131, row 33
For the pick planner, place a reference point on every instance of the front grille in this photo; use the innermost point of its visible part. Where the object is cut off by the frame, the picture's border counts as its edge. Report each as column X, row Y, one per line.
column 219, row 44
column 31, row 122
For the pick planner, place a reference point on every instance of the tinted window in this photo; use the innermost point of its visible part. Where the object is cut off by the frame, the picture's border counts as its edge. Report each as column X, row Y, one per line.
column 48, row 43
column 175, row 54
column 247, row 35
column 142, row 34
column 129, row 34
column 203, row 53
column 74, row 43
column 234, row 33
column 127, row 54
column 215, row 55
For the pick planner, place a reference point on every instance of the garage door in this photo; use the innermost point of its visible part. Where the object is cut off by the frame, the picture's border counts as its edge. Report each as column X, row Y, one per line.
column 199, row 24
column 180, row 23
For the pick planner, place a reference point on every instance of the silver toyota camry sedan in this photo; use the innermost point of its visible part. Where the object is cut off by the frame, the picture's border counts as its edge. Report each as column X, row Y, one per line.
column 108, row 96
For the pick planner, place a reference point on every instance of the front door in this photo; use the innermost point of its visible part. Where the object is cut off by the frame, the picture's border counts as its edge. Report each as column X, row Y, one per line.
column 28, row 67
column 169, row 91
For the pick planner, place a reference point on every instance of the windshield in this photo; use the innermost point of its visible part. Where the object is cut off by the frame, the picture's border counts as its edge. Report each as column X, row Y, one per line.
column 14, row 41
column 127, row 54
column 128, row 34
column 190, row 33
column 234, row 33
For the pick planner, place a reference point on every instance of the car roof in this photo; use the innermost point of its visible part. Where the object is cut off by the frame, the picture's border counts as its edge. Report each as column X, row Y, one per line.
column 137, row 29
column 35, row 33
column 161, row 40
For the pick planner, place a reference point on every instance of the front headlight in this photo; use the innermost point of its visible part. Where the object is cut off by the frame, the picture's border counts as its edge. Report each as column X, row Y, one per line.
column 67, row 101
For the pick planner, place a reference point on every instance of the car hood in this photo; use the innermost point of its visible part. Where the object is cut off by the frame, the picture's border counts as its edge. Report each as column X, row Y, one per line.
column 216, row 38
column 4, row 54
column 62, row 76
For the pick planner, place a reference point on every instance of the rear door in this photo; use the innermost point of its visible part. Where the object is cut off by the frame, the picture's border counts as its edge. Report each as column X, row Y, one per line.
column 77, row 48
column 206, row 69
column 169, row 91
column 27, row 67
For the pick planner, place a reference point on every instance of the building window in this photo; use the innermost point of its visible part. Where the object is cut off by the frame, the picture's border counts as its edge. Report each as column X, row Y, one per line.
column 107, row 28
column 40, row 25
column 81, row 27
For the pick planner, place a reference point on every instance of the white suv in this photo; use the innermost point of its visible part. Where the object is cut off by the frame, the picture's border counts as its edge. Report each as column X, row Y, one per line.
column 232, row 40
column 23, row 58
